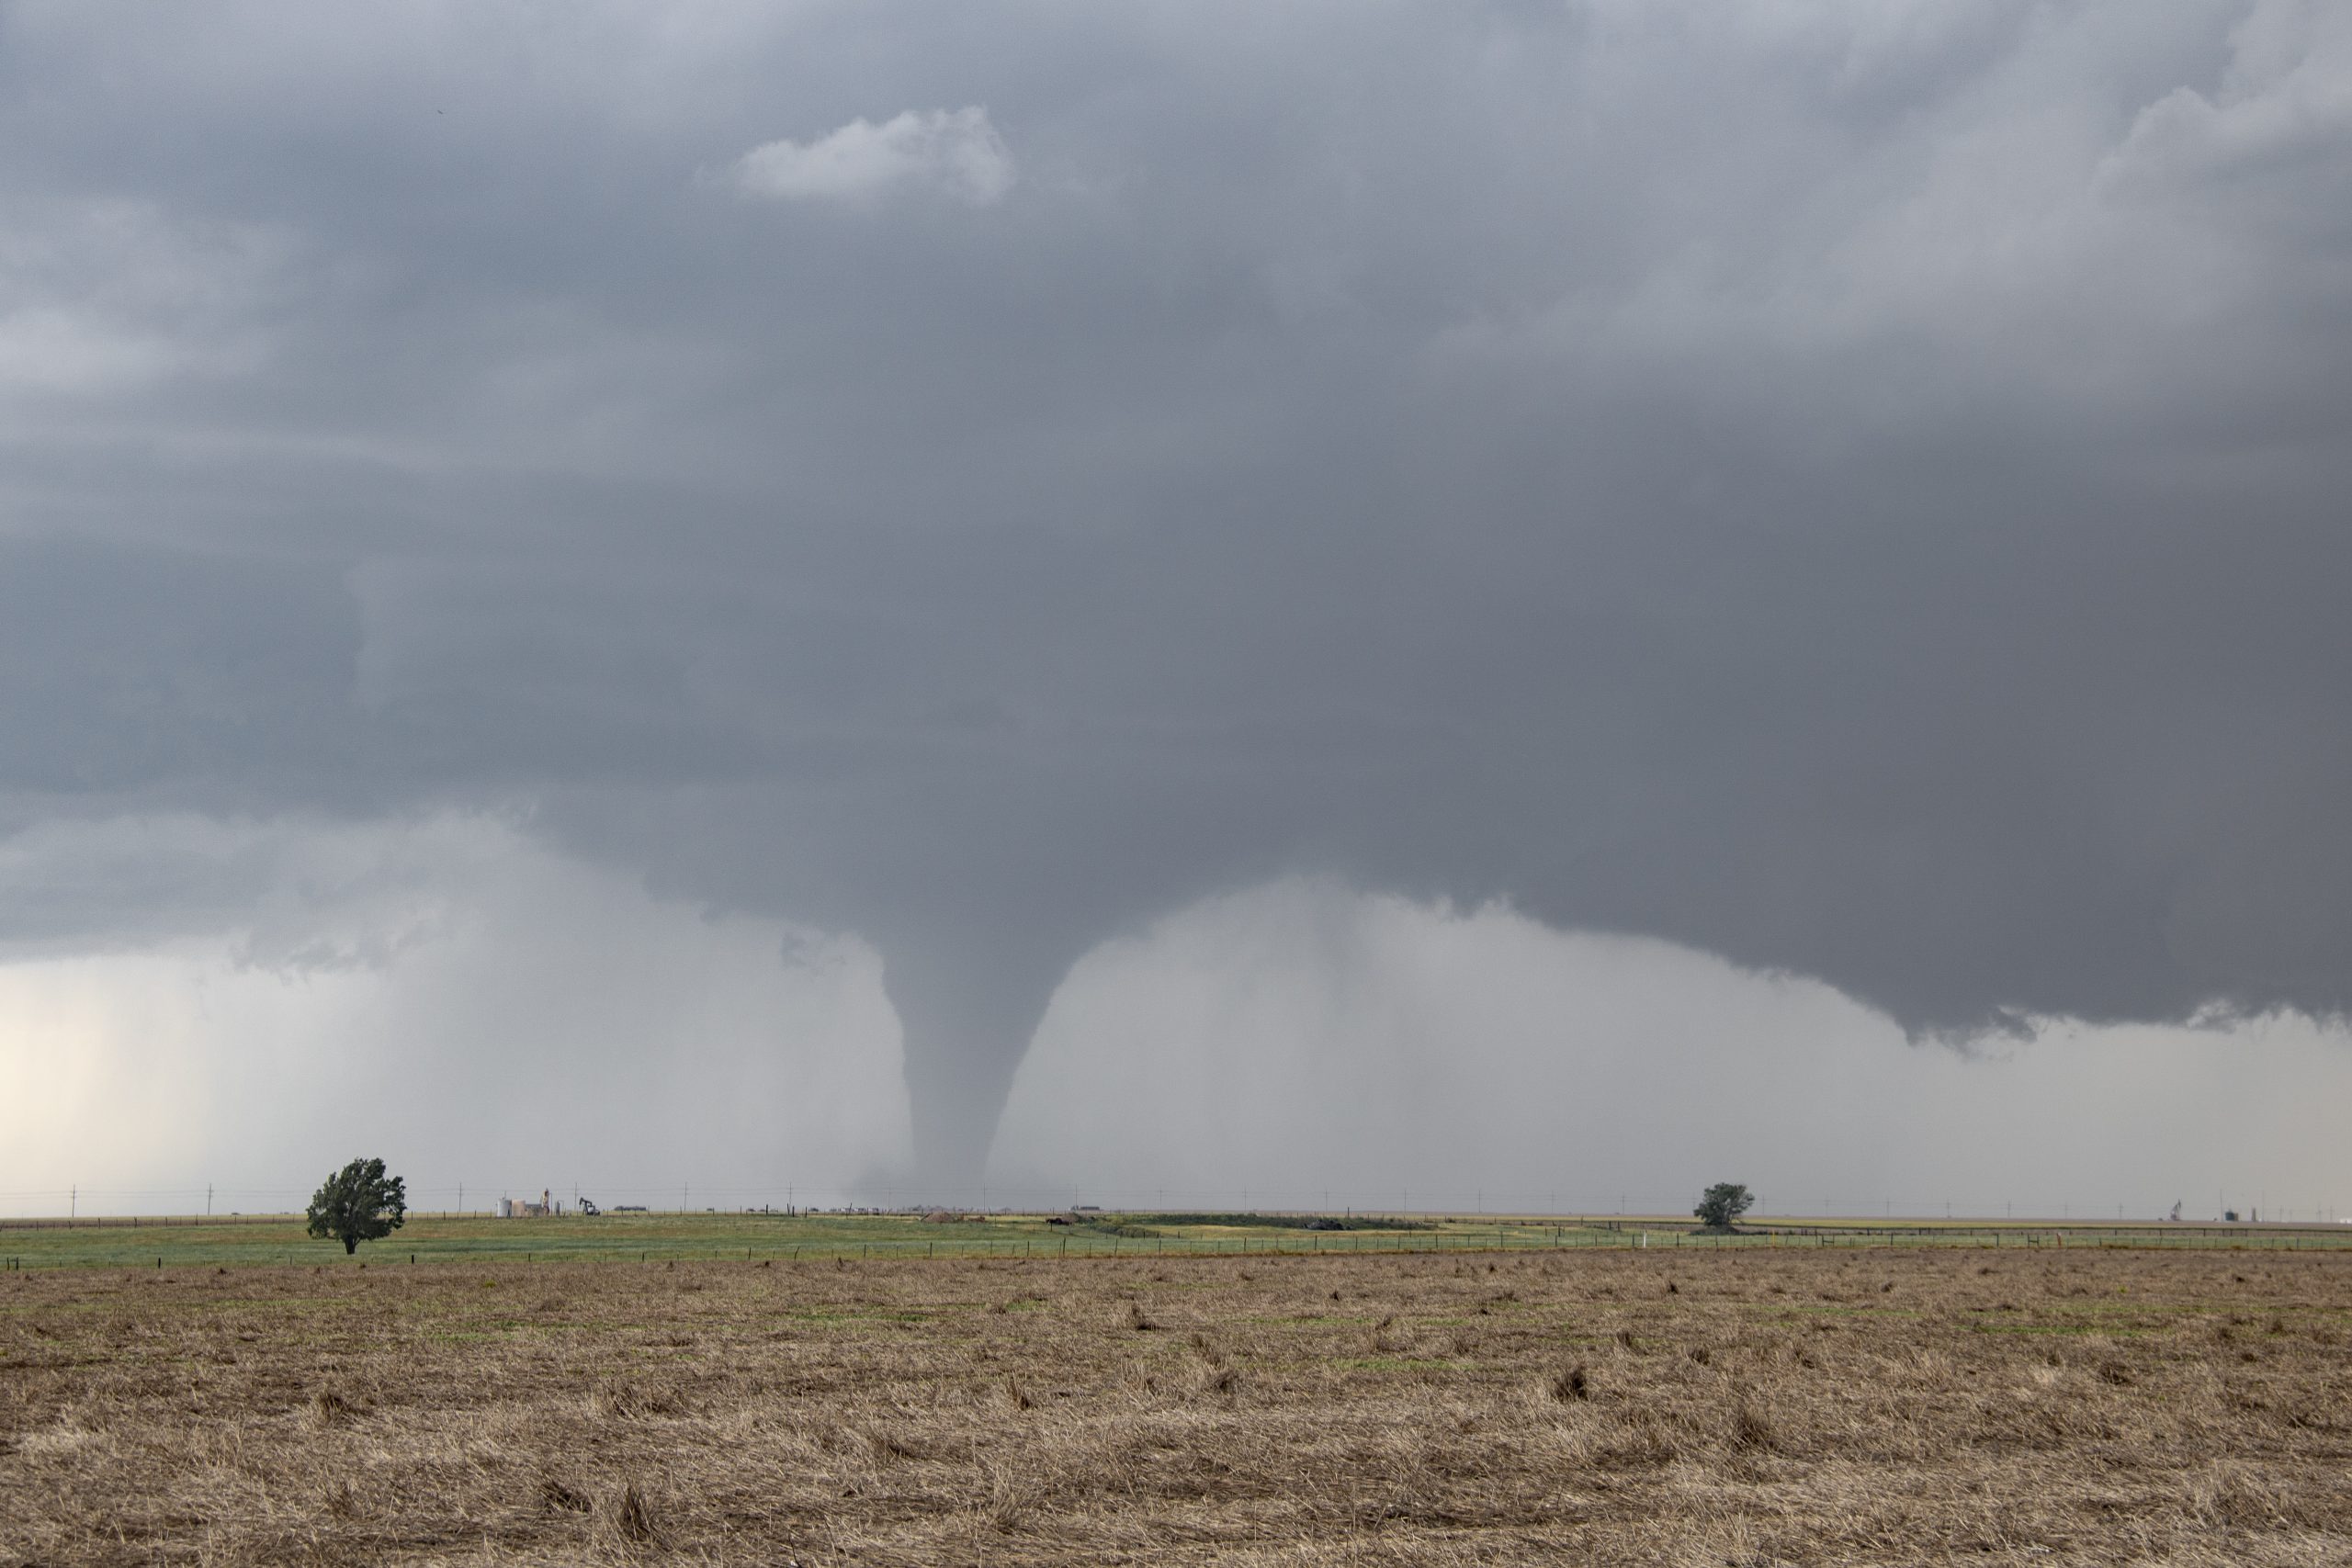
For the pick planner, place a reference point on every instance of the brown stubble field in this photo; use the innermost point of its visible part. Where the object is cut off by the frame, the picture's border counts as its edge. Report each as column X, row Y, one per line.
column 1798, row 1406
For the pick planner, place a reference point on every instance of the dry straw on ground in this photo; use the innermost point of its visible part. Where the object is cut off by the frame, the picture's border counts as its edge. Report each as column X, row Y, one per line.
column 1735, row 1409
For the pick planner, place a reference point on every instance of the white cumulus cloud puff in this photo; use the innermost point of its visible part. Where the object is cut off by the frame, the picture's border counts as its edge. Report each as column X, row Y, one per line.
column 956, row 152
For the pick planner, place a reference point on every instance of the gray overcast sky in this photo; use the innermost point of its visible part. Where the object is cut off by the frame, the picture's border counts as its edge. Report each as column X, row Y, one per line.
column 1855, row 490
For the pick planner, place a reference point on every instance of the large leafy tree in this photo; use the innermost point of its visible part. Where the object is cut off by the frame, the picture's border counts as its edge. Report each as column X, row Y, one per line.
column 1721, row 1205
column 358, row 1203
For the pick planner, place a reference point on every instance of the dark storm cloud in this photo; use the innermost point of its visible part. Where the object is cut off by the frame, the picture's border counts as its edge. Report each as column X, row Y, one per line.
column 1857, row 489
column 122, row 668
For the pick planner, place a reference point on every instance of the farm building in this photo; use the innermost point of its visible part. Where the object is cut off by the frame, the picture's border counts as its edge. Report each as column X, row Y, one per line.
column 509, row 1209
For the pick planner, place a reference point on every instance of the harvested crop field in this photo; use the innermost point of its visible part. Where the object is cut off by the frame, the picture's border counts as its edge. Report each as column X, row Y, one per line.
column 1741, row 1408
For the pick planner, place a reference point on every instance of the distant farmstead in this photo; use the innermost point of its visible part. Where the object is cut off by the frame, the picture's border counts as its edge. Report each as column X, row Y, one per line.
column 548, row 1207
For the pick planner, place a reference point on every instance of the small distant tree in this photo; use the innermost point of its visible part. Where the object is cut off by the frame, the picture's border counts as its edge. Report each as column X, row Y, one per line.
column 358, row 1203
column 1720, row 1208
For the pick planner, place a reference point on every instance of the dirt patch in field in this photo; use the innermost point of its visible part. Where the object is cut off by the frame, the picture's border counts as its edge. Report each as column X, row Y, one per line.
column 1739, row 1408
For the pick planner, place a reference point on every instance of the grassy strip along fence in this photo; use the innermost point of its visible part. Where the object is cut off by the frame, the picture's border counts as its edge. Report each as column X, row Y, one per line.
column 279, row 1242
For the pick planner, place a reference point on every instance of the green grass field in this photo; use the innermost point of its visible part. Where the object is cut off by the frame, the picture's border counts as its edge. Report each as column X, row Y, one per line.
column 275, row 1241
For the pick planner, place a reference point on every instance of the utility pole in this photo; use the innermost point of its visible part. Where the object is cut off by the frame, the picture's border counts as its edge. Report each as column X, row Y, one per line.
column 208, row 1199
